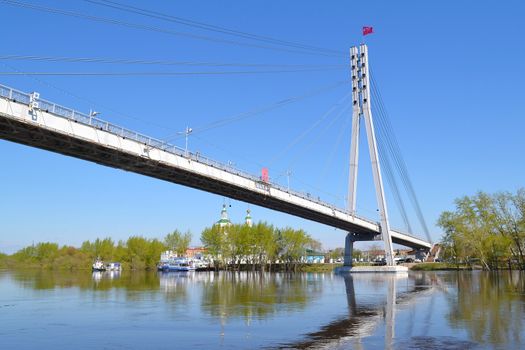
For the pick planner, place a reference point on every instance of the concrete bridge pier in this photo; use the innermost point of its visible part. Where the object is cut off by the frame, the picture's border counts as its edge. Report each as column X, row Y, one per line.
column 349, row 250
column 352, row 237
column 422, row 254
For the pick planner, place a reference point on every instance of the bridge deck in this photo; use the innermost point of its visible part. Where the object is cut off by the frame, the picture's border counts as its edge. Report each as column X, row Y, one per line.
column 55, row 128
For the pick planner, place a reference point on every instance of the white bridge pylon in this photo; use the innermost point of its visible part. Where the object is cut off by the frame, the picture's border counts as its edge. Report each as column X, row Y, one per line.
column 362, row 110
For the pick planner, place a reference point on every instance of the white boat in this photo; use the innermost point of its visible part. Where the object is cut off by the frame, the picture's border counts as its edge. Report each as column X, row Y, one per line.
column 201, row 265
column 177, row 264
column 113, row 266
column 98, row 265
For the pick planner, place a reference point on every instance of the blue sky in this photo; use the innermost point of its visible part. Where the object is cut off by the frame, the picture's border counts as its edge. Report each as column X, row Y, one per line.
column 450, row 74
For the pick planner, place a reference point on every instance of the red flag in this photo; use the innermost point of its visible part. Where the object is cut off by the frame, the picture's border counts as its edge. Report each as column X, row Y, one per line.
column 368, row 30
column 265, row 176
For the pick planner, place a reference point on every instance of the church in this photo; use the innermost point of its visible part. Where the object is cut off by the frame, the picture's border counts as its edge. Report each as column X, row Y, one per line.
column 225, row 221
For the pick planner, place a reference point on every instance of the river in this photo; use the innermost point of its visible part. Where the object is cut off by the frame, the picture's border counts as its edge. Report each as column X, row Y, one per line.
column 230, row 310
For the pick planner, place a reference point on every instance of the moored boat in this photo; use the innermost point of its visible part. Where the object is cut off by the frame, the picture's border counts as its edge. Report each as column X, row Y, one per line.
column 201, row 265
column 113, row 266
column 98, row 265
column 176, row 264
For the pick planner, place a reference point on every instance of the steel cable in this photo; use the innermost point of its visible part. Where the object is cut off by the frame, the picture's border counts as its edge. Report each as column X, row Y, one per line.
column 395, row 152
column 150, row 28
column 210, row 27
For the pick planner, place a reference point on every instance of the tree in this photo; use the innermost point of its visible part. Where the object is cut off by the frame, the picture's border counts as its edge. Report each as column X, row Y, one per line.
column 213, row 239
column 238, row 244
column 375, row 251
column 46, row 252
column 141, row 252
column 357, row 254
column 454, row 246
column 265, row 243
column 155, row 248
column 337, row 253
column 484, row 227
column 136, row 251
column 510, row 213
column 178, row 242
column 100, row 248
column 294, row 245
column 314, row 244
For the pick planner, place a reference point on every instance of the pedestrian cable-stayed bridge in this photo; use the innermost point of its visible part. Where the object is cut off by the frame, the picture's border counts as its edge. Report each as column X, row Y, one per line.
column 27, row 119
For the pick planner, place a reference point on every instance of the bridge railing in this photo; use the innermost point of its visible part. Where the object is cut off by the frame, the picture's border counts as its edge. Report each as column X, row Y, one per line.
column 86, row 119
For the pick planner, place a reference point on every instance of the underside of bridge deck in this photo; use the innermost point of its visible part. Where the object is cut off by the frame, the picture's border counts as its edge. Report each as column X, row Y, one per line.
column 36, row 136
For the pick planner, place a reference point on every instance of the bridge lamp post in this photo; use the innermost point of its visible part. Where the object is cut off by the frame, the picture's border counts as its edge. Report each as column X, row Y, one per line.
column 186, row 133
column 92, row 114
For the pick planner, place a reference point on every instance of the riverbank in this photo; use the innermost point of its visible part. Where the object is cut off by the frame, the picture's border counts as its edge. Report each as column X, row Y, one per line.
column 441, row 267
column 411, row 266
column 11, row 264
column 85, row 264
column 318, row 267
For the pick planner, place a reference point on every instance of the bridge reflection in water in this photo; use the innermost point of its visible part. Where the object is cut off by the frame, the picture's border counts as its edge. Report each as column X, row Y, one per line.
column 365, row 316
column 371, row 299
column 231, row 295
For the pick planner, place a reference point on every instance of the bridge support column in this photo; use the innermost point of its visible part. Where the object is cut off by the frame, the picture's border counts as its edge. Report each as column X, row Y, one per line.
column 422, row 254
column 363, row 109
column 349, row 249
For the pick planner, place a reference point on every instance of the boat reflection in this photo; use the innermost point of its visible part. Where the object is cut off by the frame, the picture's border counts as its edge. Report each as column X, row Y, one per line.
column 98, row 276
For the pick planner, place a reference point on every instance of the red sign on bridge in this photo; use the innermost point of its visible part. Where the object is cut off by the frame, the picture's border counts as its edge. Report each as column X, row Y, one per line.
column 264, row 175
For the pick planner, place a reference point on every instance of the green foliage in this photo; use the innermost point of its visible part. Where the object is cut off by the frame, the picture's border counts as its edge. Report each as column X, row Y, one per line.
column 142, row 253
column 318, row 268
column 439, row 267
column 294, row 244
column 260, row 245
column 136, row 253
column 41, row 254
column 214, row 239
column 155, row 248
column 257, row 245
column 265, row 245
column 46, row 251
column 4, row 261
column 357, row 254
column 178, row 242
column 337, row 253
column 103, row 249
column 239, row 243
column 49, row 255
column 490, row 228
column 27, row 254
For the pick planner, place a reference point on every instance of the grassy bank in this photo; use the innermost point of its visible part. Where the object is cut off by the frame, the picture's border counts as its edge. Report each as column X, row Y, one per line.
column 440, row 267
column 317, row 267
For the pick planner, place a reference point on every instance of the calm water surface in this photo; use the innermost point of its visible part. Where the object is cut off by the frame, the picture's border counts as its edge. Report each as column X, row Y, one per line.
column 81, row 310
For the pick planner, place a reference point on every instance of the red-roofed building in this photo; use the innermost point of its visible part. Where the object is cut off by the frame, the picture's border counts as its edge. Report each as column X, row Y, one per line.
column 196, row 253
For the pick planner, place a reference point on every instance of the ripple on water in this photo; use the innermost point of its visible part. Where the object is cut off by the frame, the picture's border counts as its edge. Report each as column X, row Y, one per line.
column 437, row 343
